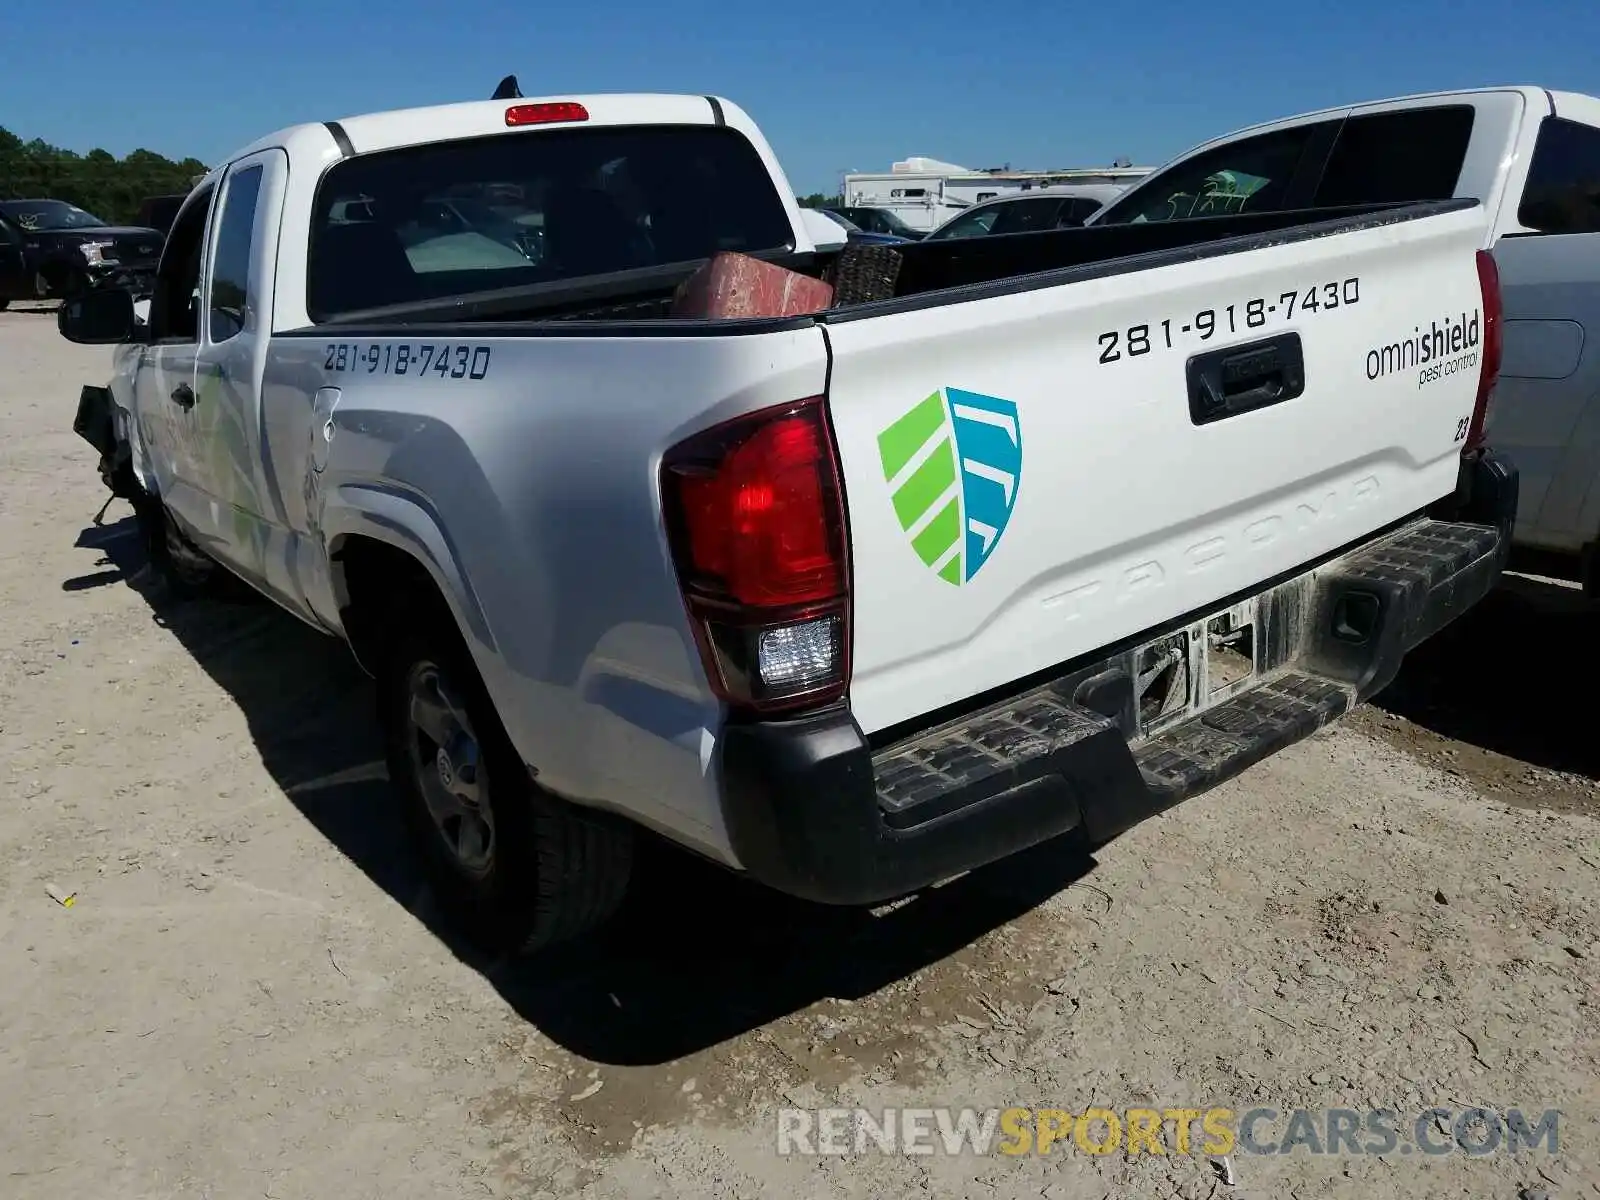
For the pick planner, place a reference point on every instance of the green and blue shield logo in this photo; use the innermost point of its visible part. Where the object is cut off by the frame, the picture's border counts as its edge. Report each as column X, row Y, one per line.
column 953, row 464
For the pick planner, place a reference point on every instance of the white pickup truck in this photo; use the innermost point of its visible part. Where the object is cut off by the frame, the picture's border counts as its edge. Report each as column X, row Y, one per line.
column 1532, row 157
column 1069, row 527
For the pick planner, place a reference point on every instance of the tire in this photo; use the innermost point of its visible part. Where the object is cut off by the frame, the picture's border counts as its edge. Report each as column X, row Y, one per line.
column 4, row 304
column 514, row 868
column 61, row 281
column 183, row 566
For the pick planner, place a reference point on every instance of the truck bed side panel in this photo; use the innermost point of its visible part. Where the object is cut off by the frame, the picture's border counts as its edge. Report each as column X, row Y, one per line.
column 528, row 467
column 1027, row 483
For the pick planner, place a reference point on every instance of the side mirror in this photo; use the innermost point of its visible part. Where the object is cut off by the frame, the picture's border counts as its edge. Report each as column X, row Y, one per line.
column 97, row 318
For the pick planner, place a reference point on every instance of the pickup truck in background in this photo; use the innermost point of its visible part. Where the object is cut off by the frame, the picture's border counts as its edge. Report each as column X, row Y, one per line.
column 1052, row 531
column 50, row 249
column 1532, row 157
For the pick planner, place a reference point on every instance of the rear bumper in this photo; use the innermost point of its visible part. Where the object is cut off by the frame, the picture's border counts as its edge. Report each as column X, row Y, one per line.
column 813, row 810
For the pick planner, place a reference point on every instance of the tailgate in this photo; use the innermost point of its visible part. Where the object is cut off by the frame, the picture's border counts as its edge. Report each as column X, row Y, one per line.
column 1040, row 472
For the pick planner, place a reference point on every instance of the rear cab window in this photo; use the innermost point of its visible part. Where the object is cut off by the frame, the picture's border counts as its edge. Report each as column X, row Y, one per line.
column 1562, row 194
column 455, row 218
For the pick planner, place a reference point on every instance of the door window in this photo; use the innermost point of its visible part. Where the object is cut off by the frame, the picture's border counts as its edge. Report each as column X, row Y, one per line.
column 1562, row 194
column 1406, row 155
column 230, row 257
column 1250, row 175
column 175, row 304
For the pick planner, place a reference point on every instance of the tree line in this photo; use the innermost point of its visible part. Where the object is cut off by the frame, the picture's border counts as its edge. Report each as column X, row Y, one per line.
column 111, row 188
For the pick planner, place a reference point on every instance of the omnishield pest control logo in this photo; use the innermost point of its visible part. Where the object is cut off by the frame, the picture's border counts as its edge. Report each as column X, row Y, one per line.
column 953, row 464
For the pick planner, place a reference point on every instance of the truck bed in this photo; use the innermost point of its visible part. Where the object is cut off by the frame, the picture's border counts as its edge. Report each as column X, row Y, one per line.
column 1205, row 404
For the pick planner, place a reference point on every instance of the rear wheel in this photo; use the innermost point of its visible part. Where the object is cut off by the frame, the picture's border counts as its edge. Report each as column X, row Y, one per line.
column 515, row 868
column 4, row 304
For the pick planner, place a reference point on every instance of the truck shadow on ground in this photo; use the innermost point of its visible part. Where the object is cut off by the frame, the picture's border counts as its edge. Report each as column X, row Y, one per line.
column 1511, row 676
column 697, row 956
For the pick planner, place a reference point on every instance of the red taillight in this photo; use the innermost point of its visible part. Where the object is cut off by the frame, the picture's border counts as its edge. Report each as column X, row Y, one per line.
column 546, row 114
column 1489, row 360
column 755, row 515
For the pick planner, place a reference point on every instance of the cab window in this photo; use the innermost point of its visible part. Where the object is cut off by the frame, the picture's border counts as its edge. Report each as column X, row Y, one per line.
column 1562, row 194
column 1406, row 155
column 447, row 219
column 230, row 258
column 175, row 302
column 1250, row 175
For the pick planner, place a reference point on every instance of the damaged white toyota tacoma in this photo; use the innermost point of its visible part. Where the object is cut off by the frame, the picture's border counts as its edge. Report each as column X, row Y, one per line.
column 990, row 541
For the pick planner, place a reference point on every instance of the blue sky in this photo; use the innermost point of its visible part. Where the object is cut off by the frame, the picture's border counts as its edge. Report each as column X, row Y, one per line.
column 1033, row 84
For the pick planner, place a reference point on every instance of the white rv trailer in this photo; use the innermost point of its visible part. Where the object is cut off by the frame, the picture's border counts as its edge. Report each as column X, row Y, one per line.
column 925, row 192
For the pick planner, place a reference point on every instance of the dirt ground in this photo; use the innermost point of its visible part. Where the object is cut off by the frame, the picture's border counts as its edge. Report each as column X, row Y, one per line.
column 250, row 994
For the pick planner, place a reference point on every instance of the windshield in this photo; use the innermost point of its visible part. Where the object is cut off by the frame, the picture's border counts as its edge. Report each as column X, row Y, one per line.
column 453, row 218
column 845, row 222
column 42, row 215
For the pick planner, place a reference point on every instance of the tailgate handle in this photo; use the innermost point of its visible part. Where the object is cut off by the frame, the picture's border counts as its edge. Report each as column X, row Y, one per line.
column 1241, row 379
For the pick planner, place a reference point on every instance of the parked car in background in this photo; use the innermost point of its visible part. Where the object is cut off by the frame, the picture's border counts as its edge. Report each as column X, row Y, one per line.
column 1024, row 212
column 857, row 236
column 878, row 220
column 50, row 249
column 1532, row 158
